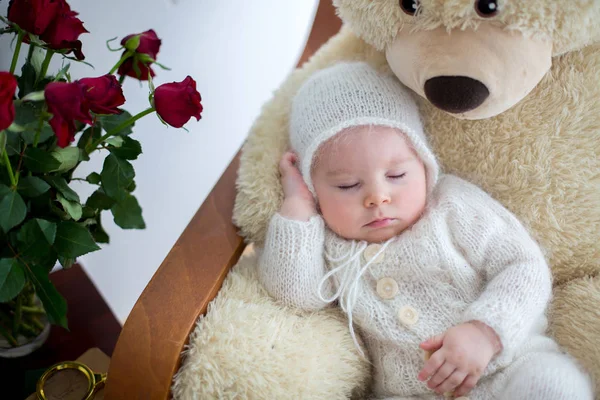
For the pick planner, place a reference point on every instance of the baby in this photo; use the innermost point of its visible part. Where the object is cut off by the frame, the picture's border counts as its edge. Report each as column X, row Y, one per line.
column 422, row 263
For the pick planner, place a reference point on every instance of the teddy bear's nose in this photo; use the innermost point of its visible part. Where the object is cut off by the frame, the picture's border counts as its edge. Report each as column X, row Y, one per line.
column 455, row 94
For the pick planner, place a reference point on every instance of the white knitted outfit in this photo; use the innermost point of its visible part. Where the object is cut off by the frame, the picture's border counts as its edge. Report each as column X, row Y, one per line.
column 467, row 258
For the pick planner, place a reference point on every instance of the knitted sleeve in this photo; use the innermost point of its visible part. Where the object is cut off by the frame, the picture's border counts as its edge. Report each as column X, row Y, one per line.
column 292, row 262
column 518, row 280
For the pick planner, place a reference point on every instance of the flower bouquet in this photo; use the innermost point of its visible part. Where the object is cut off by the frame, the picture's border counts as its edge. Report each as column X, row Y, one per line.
column 50, row 123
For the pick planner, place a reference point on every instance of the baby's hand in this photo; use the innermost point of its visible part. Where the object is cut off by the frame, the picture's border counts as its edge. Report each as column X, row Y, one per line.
column 460, row 357
column 298, row 203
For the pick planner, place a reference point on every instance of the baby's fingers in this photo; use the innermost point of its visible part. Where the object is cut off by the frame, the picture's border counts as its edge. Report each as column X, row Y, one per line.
column 287, row 163
column 432, row 365
column 454, row 380
column 468, row 384
column 440, row 376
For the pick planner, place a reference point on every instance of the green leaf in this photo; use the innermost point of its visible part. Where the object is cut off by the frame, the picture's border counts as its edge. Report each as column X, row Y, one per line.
column 13, row 143
column 88, row 212
column 66, row 262
column 110, row 122
column 40, row 161
column 4, row 190
column 38, row 230
column 29, row 134
column 12, row 279
column 27, row 112
column 36, row 237
column 100, row 201
column 4, row 179
column 62, row 74
column 59, row 212
column 128, row 213
column 73, row 240
column 34, row 96
column 31, row 186
column 131, row 187
column 26, row 80
column 40, row 205
column 54, row 304
column 2, row 141
column 130, row 149
column 12, row 211
column 72, row 208
column 16, row 128
column 98, row 232
column 94, row 178
column 116, row 175
column 61, row 185
column 115, row 141
column 68, row 158
column 89, row 135
column 37, row 59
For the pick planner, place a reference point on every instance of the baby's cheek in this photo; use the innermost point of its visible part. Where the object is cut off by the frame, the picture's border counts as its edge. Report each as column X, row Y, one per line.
column 338, row 216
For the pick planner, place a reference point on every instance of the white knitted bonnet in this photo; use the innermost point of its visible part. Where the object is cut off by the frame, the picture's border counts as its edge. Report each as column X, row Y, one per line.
column 354, row 94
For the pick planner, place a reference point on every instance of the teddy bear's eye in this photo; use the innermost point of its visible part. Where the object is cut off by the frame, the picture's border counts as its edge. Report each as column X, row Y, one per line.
column 409, row 6
column 486, row 8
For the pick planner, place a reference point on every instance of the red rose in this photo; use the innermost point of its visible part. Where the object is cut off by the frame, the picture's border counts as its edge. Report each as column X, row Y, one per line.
column 67, row 103
column 33, row 15
column 177, row 102
column 104, row 94
column 127, row 69
column 149, row 45
column 8, row 86
column 64, row 30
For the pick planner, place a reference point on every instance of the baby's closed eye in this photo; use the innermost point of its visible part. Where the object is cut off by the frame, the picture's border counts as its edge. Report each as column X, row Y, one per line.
column 397, row 176
column 347, row 186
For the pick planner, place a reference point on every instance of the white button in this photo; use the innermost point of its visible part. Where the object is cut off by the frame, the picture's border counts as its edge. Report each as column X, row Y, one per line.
column 408, row 315
column 387, row 288
column 370, row 252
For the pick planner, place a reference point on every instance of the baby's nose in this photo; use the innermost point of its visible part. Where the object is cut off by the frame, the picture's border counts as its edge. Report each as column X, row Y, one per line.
column 376, row 199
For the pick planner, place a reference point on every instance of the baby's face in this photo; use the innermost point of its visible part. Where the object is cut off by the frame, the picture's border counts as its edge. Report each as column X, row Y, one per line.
column 370, row 184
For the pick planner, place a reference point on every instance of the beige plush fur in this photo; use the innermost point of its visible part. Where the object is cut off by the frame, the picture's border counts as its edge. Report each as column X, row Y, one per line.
column 540, row 158
column 248, row 347
column 570, row 25
column 575, row 315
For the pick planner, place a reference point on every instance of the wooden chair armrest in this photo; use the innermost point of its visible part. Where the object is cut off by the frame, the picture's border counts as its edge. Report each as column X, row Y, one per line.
column 148, row 351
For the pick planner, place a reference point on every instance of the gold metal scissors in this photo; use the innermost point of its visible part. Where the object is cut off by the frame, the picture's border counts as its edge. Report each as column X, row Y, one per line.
column 95, row 381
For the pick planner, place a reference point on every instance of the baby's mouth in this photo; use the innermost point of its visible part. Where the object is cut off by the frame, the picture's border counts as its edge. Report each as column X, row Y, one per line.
column 380, row 222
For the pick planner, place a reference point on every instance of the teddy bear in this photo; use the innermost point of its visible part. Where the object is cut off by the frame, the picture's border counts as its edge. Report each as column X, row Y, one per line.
column 509, row 93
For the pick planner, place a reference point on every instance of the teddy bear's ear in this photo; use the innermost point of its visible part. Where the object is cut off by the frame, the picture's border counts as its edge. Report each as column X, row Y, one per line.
column 568, row 26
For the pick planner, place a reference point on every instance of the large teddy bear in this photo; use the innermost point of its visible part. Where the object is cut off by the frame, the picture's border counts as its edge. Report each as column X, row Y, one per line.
column 509, row 92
